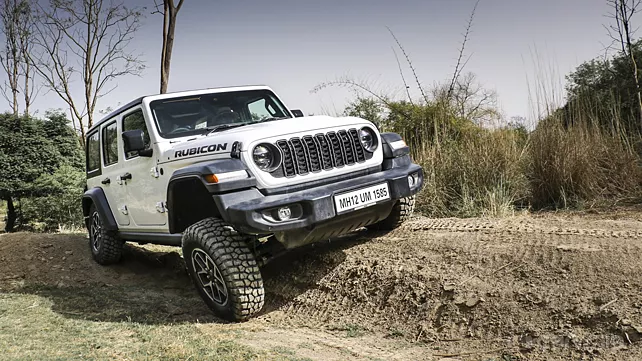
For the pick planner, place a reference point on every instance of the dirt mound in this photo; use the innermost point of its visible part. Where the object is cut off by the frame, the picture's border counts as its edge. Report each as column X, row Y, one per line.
column 65, row 261
column 535, row 287
column 521, row 288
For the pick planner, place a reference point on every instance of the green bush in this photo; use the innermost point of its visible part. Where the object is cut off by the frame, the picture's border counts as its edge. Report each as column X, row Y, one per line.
column 60, row 207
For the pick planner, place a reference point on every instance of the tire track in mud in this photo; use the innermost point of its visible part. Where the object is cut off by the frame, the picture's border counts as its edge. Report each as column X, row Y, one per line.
column 504, row 227
column 469, row 279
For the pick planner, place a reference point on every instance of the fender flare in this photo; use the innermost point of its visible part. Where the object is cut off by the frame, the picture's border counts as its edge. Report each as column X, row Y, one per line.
column 195, row 172
column 97, row 197
column 388, row 151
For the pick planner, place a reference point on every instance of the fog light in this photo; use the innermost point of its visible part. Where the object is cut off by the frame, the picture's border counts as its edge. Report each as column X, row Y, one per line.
column 284, row 213
column 411, row 181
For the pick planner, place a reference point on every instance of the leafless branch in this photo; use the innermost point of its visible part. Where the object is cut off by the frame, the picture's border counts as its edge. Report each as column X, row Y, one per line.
column 412, row 68
column 403, row 78
column 95, row 35
column 459, row 67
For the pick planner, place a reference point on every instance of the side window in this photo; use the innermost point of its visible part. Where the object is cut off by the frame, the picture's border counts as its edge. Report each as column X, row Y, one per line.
column 93, row 155
column 260, row 110
column 135, row 121
column 110, row 144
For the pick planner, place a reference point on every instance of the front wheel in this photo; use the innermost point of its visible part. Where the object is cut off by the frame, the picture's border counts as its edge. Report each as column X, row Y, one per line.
column 401, row 212
column 223, row 269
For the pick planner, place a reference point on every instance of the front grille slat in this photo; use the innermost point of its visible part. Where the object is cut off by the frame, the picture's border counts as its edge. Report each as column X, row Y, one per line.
column 314, row 153
column 359, row 150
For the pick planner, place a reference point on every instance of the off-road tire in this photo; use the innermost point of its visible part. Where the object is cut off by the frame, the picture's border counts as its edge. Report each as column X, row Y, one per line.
column 401, row 212
column 104, row 245
column 233, row 261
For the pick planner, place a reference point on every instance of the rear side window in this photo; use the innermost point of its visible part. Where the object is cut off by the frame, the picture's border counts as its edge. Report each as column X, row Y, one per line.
column 93, row 154
column 135, row 121
column 110, row 144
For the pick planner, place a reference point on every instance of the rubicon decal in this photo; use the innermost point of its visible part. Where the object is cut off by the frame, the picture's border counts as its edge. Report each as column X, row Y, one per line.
column 200, row 150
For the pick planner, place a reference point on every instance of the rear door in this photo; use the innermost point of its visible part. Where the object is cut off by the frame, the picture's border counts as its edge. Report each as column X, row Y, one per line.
column 116, row 194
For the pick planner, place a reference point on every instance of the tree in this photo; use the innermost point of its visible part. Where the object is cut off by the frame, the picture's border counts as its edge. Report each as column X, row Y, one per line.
column 366, row 108
column 94, row 34
column 622, row 33
column 20, row 165
column 26, row 173
column 604, row 90
column 17, row 27
column 26, row 26
column 9, row 12
column 170, row 13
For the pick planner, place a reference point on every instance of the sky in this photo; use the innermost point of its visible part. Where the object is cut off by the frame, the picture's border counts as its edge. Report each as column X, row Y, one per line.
column 295, row 45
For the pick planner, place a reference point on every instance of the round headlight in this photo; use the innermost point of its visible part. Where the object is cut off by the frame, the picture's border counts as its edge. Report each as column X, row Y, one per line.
column 267, row 157
column 368, row 139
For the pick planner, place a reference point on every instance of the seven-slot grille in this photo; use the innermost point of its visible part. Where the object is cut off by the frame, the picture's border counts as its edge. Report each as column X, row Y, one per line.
column 321, row 152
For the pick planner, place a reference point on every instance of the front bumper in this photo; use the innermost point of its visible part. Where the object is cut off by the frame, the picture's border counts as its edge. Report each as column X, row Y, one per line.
column 250, row 211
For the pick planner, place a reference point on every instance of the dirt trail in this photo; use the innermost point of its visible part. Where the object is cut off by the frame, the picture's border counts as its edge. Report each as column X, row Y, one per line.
column 522, row 288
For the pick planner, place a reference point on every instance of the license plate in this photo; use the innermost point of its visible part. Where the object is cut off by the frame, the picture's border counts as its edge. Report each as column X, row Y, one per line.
column 361, row 198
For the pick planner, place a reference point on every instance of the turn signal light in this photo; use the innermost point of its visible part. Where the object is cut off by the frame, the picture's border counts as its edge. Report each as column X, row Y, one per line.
column 225, row 177
column 211, row 178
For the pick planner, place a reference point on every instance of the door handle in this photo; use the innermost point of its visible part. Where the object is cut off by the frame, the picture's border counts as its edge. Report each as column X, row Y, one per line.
column 106, row 181
column 126, row 176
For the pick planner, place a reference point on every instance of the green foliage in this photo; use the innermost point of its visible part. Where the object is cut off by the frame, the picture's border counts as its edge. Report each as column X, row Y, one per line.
column 42, row 165
column 26, row 153
column 366, row 108
column 61, row 203
column 605, row 89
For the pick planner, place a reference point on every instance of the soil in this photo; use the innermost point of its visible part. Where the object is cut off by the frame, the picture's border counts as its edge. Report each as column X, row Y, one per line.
column 539, row 287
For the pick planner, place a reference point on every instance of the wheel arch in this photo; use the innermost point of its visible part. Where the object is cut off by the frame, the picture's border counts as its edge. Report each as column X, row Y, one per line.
column 188, row 201
column 96, row 196
column 191, row 199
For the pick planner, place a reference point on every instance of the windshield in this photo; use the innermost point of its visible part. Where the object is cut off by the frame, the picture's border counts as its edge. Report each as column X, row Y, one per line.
column 199, row 114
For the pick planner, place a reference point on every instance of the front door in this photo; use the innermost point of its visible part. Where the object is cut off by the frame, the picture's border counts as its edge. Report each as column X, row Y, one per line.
column 145, row 192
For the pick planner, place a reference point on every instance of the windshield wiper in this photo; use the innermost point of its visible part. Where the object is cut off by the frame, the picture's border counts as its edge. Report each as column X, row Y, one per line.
column 220, row 127
column 271, row 119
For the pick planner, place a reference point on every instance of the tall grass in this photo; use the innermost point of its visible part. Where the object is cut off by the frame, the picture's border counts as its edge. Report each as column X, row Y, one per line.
column 578, row 155
column 480, row 173
column 582, row 163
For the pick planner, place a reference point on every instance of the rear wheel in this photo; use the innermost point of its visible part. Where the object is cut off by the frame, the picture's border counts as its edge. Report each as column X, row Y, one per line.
column 105, row 247
column 401, row 212
column 223, row 269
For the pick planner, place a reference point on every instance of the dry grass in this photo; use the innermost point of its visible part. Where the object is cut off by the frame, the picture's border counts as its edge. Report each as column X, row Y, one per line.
column 581, row 165
column 478, row 174
column 481, row 172
column 32, row 331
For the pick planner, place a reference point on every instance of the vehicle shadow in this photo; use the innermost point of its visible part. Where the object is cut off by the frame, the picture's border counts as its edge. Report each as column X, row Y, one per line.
column 151, row 286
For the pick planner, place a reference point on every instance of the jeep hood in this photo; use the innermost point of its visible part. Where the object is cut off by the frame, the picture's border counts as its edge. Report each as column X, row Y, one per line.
column 221, row 142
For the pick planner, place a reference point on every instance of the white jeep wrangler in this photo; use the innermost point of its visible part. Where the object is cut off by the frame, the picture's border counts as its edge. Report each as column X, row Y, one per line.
column 235, row 178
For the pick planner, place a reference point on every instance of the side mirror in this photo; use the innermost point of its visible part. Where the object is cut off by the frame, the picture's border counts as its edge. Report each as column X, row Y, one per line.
column 297, row 113
column 134, row 141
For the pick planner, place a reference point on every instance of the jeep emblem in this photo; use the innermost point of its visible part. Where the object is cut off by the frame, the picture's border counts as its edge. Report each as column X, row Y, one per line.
column 200, row 150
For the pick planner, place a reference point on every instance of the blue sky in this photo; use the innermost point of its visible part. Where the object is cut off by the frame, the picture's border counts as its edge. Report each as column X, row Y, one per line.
column 293, row 45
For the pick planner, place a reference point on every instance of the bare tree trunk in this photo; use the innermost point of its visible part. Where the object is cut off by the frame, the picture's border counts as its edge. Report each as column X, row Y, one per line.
column 634, row 65
column 169, row 26
column 624, row 10
column 15, row 58
column 27, row 93
column 11, row 215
